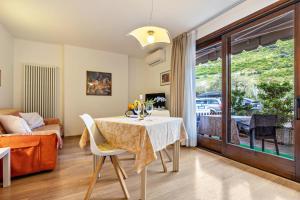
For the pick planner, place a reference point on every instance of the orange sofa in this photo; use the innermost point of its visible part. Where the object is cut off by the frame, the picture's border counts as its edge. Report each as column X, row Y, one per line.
column 31, row 153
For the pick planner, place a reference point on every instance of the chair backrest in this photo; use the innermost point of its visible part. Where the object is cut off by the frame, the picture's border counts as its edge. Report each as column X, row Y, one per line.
column 161, row 113
column 263, row 125
column 261, row 120
column 96, row 137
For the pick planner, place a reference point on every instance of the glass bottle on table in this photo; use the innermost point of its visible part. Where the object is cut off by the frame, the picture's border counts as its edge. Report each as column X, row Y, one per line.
column 138, row 109
column 142, row 113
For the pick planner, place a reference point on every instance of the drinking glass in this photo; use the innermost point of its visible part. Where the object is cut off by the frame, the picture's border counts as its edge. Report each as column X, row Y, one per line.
column 149, row 108
column 137, row 108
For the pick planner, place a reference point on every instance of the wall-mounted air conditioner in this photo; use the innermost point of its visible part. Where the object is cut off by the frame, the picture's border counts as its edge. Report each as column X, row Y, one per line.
column 156, row 57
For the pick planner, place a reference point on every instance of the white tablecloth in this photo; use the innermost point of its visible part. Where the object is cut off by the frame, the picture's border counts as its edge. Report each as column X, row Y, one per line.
column 142, row 137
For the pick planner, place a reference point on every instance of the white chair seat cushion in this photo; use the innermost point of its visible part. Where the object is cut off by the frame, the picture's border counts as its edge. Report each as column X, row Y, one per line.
column 106, row 148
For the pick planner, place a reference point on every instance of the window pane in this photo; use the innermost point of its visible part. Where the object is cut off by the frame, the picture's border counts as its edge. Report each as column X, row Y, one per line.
column 209, row 91
column 262, row 87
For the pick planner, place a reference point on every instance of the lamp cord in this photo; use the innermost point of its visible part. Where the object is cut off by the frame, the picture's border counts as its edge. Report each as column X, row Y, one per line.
column 151, row 13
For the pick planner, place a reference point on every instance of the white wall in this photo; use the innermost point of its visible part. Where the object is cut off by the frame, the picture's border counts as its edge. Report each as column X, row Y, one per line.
column 79, row 60
column 36, row 53
column 6, row 67
column 73, row 62
column 146, row 79
column 136, row 78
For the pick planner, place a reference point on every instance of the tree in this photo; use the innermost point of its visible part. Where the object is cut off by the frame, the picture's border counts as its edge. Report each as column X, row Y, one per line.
column 277, row 99
column 274, row 62
column 237, row 101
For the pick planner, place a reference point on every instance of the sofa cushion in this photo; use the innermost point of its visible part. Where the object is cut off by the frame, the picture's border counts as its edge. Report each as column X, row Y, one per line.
column 2, row 130
column 14, row 112
column 51, row 127
column 33, row 119
column 13, row 124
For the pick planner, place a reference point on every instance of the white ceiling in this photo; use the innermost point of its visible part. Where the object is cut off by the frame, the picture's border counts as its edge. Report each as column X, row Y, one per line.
column 103, row 24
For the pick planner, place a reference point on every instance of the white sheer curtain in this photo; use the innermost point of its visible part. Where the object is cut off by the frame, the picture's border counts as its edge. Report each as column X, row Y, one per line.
column 189, row 101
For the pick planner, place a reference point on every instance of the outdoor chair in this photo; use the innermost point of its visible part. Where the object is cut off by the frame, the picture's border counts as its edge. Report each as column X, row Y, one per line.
column 261, row 127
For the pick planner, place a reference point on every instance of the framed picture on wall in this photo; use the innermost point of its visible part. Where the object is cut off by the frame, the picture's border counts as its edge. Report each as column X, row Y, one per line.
column 165, row 78
column 98, row 83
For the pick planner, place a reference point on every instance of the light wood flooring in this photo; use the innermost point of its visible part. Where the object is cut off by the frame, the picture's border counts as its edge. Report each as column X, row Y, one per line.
column 203, row 175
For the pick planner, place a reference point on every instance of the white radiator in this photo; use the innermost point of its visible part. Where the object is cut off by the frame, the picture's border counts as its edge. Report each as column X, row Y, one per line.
column 40, row 90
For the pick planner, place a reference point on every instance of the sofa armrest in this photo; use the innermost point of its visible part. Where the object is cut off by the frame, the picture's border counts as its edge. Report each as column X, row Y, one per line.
column 49, row 121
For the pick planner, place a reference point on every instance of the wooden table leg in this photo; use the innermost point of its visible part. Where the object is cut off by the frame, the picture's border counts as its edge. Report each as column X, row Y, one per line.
column 143, row 183
column 6, row 170
column 176, row 155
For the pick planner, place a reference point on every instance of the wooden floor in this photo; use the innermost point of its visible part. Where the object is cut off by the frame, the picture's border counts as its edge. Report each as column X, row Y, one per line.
column 203, row 176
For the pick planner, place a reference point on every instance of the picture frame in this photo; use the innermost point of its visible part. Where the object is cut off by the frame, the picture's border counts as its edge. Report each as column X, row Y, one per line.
column 98, row 83
column 165, row 78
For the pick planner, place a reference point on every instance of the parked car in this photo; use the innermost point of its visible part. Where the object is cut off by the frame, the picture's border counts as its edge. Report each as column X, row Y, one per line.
column 213, row 104
column 256, row 105
column 212, row 94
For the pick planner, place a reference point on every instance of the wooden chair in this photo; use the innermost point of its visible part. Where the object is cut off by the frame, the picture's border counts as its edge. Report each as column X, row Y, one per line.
column 100, row 148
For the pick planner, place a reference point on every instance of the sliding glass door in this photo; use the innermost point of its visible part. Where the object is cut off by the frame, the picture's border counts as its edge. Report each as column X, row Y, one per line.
column 262, row 86
column 247, row 87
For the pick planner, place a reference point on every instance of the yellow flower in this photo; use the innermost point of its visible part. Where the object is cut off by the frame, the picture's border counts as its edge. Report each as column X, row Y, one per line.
column 137, row 102
column 132, row 105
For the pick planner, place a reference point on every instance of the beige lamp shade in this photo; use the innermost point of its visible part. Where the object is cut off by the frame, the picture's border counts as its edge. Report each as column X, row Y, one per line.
column 151, row 34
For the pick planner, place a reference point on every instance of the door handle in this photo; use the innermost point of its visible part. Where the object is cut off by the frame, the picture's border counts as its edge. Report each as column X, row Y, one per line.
column 298, row 108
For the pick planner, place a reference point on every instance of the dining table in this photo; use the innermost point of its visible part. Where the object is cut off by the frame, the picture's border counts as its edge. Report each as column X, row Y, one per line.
column 144, row 138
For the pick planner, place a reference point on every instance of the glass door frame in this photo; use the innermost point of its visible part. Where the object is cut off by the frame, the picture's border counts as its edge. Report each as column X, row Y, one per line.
column 280, row 166
column 274, row 164
column 297, row 89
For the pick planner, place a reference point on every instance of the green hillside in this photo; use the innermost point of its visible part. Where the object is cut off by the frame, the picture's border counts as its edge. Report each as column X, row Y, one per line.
column 249, row 68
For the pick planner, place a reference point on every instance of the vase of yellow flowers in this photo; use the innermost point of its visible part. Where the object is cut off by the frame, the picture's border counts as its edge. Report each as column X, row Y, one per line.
column 135, row 109
column 140, row 108
column 132, row 106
